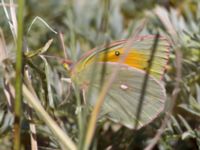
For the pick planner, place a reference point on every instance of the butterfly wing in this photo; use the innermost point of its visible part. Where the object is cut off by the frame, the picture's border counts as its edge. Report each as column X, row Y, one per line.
column 138, row 55
column 122, row 98
column 141, row 54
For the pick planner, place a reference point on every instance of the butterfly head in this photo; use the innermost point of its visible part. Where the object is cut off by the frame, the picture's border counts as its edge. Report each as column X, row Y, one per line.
column 67, row 64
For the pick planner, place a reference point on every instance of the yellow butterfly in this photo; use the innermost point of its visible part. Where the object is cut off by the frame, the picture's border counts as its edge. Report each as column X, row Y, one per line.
column 122, row 98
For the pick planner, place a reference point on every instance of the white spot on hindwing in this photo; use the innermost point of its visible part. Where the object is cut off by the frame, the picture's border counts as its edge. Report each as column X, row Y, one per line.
column 123, row 87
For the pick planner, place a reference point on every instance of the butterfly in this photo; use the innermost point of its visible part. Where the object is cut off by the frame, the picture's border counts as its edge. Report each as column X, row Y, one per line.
column 95, row 68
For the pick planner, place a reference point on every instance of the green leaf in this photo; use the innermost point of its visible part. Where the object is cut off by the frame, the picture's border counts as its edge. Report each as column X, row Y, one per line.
column 40, row 50
column 49, row 81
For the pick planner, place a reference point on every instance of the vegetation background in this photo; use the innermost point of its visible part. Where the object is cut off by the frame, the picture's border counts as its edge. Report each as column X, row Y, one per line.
column 84, row 25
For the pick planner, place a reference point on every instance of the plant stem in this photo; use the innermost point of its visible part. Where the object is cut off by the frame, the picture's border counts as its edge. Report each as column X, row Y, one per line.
column 145, row 82
column 18, row 83
column 34, row 102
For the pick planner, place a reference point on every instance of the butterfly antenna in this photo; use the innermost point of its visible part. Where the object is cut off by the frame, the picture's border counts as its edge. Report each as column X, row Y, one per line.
column 65, row 62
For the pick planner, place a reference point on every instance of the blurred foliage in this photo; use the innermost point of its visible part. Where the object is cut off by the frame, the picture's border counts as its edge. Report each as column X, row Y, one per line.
column 87, row 24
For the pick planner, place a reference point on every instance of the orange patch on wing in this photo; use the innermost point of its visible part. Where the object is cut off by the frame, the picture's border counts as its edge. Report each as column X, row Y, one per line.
column 134, row 58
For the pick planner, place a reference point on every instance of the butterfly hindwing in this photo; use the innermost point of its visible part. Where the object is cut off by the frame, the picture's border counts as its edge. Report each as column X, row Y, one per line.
column 122, row 98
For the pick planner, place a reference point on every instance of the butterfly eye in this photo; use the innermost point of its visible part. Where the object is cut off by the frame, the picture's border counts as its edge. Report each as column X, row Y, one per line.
column 117, row 53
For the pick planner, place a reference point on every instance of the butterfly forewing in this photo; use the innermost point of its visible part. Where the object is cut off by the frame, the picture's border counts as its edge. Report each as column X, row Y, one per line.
column 138, row 55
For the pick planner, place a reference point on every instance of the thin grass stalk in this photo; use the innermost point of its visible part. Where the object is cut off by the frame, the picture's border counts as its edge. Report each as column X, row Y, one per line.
column 32, row 99
column 81, row 118
column 62, row 137
column 33, row 134
column 104, row 29
column 174, row 97
column 145, row 82
column 13, row 18
column 80, row 112
column 11, row 25
column 92, row 77
column 18, row 83
column 41, row 20
column 8, row 5
column 3, row 52
column 100, row 100
column 105, row 18
column 164, row 18
column 32, row 126
column 62, row 43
